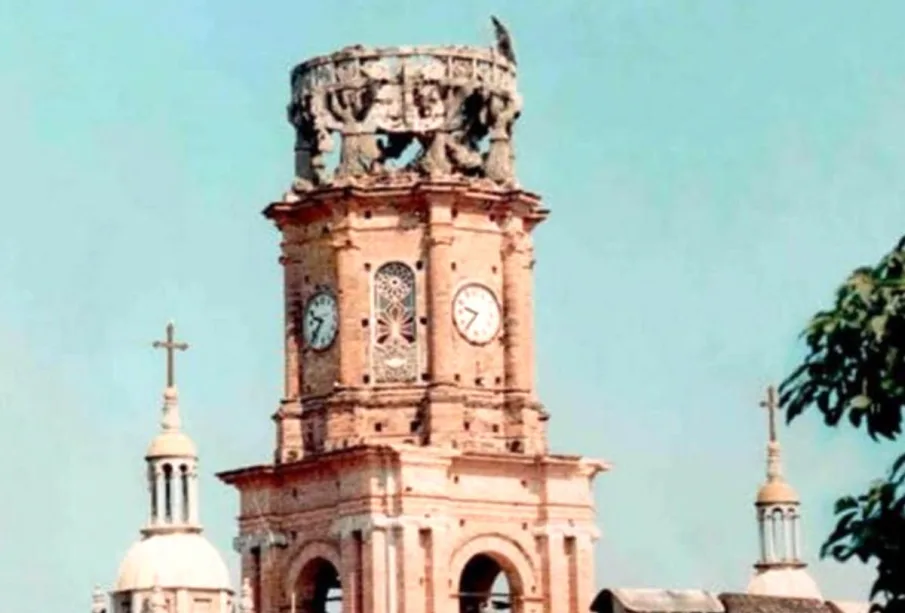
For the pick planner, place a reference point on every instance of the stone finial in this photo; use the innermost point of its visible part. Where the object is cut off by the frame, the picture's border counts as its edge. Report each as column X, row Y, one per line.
column 246, row 599
column 98, row 600
column 449, row 110
column 774, row 452
column 157, row 603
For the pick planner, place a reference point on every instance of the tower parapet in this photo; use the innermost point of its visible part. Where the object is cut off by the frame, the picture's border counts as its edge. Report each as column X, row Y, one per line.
column 399, row 114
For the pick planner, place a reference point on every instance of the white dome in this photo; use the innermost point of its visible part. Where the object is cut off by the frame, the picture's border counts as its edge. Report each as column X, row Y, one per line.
column 785, row 582
column 171, row 444
column 177, row 560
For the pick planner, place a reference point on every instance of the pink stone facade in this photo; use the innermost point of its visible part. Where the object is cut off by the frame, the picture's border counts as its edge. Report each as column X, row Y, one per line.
column 412, row 496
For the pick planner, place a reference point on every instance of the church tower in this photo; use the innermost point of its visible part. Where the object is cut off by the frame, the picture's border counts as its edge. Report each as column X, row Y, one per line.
column 780, row 570
column 411, row 471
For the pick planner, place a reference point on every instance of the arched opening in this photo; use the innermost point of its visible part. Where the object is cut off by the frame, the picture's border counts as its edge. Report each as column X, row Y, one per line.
column 184, row 482
column 778, row 525
column 317, row 589
column 152, row 486
column 168, row 493
column 485, row 585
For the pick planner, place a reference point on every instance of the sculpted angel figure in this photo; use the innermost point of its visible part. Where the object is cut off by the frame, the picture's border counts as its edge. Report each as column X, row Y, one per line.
column 246, row 599
column 312, row 142
column 504, row 42
column 452, row 148
column 156, row 602
column 501, row 112
column 360, row 151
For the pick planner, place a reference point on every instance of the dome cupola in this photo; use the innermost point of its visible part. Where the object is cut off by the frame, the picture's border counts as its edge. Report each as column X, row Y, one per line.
column 780, row 570
column 172, row 567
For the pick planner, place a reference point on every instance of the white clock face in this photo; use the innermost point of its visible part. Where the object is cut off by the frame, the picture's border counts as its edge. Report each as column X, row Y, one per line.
column 320, row 321
column 476, row 313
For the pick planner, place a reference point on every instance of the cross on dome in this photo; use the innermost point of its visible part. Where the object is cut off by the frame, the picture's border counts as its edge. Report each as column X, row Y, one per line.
column 171, row 420
column 774, row 459
column 772, row 405
column 171, row 347
column 172, row 442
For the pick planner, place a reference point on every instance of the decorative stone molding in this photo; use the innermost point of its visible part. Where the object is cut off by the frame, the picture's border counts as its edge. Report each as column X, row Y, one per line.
column 567, row 530
column 264, row 539
column 366, row 523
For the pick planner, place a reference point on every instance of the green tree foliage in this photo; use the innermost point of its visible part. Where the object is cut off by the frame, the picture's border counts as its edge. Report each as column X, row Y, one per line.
column 854, row 369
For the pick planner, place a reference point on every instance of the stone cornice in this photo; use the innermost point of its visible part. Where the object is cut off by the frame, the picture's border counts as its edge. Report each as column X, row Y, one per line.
column 564, row 528
column 267, row 473
column 368, row 522
column 765, row 566
column 324, row 201
column 270, row 473
column 151, row 530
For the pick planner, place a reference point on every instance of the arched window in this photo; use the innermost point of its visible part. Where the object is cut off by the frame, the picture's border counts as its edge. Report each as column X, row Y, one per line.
column 168, row 492
column 394, row 356
column 184, row 481
column 152, row 482
column 780, row 544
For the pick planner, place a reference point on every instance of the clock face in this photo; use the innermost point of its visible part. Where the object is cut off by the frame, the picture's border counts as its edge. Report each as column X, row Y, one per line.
column 476, row 313
column 319, row 321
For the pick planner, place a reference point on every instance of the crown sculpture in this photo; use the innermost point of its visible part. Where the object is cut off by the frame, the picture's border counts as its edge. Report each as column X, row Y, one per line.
column 406, row 113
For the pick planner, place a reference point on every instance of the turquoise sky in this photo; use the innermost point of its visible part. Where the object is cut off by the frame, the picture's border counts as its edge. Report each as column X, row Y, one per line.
column 714, row 169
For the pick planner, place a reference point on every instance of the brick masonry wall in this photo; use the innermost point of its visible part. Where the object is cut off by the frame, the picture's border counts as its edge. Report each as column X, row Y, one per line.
column 399, row 487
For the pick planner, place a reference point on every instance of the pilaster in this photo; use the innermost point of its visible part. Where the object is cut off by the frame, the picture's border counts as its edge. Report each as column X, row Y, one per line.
column 351, row 553
column 288, row 419
column 404, row 562
column 260, row 555
column 517, row 304
column 440, row 240
column 292, row 311
column 352, row 300
column 568, row 566
column 377, row 580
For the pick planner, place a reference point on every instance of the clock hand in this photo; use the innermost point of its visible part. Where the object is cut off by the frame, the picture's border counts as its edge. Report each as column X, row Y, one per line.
column 474, row 315
column 317, row 326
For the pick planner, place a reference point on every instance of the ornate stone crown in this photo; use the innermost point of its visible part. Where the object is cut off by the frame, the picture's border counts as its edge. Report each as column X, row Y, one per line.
column 405, row 113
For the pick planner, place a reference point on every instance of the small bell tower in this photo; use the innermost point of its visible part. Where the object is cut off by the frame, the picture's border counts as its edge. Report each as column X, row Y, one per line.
column 780, row 570
column 411, row 470
column 172, row 568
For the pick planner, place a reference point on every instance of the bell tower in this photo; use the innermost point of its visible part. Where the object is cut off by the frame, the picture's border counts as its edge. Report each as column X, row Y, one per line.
column 411, row 471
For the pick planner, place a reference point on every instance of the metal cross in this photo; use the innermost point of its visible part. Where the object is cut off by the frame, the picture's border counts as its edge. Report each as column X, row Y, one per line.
column 770, row 403
column 171, row 346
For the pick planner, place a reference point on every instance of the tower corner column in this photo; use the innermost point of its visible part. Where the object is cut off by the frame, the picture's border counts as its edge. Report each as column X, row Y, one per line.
column 351, row 294
column 517, row 256
column 439, row 262
column 292, row 311
column 375, row 580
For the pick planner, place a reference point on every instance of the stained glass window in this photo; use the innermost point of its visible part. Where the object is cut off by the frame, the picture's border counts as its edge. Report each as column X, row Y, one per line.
column 394, row 344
